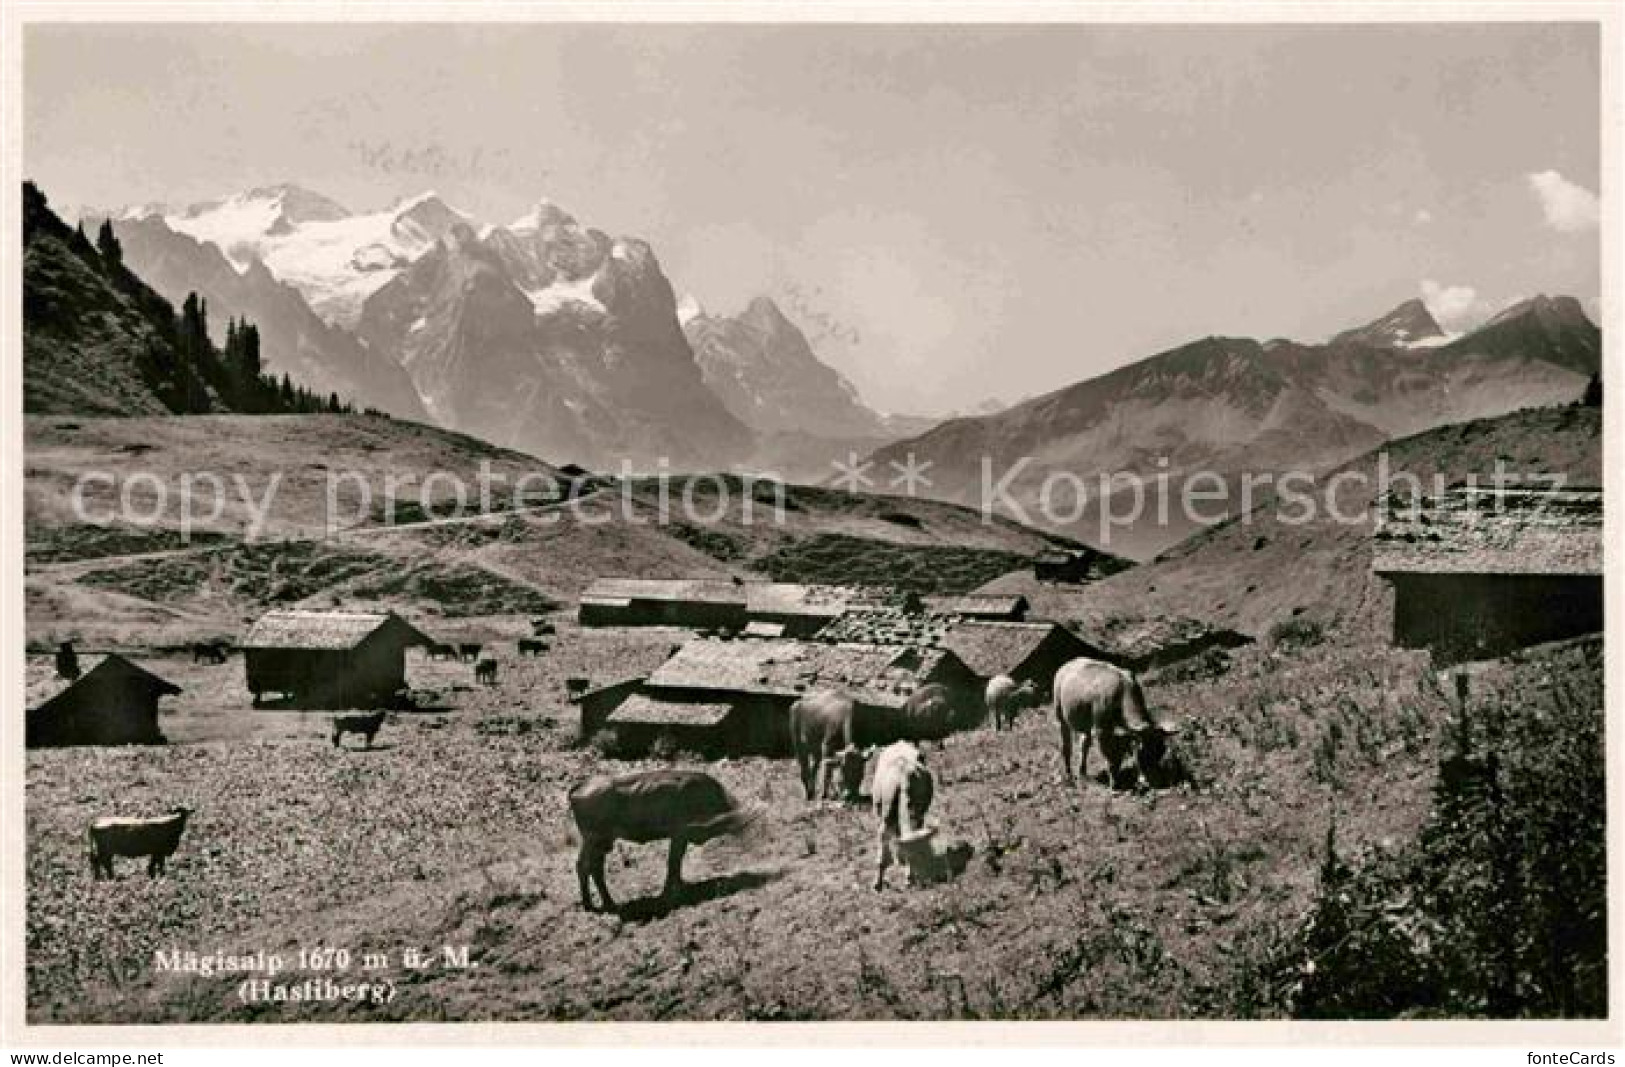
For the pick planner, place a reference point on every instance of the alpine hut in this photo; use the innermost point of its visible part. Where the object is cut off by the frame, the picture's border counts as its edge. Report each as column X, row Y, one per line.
column 720, row 696
column 1478, row 571
column 329, row 659
column 115, row 702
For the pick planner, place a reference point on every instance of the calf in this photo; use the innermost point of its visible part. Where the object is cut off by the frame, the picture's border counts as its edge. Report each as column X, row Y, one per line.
column 468, row 652
column 686, row 807
column 531, row 647
column 156, row 839
column 1005, row 699
column 822, row 725
column 367, row 725
column 486, row 671
column 903, row 789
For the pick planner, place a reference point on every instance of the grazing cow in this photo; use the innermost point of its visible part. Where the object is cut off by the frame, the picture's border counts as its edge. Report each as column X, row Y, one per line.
column 367, row 725
column 442, row 651
column 210, row 652
column 156, row 839
column 486, row 671
column 1099, row 699
column 530, row 647
column 929, row 712
column 468, row 652
column 902, row 791
column 687, row 807
column 576, row 688
column 821, row 732
column 1006, row 699
column 67, row 661
column 542, row 627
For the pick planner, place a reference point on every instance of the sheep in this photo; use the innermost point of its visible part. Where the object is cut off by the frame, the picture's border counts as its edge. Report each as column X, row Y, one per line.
column 155, row 838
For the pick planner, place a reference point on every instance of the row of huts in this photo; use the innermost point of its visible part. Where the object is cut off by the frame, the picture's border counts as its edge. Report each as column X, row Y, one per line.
column 786, row 609
column 312, row 659
column 731, row 694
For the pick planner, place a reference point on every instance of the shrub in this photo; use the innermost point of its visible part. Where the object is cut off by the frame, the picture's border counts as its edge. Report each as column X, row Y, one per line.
column 1297, row 632
column 1499, row 909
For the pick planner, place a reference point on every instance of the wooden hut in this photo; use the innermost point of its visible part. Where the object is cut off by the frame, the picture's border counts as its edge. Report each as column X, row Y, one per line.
column 803, row 610
column 1481, row 570
column 702, row 604
column 717, row 695
column 1143, row 643
column 1011, row 607
column 1059, row 565
column 1026, row 651
column 330, row 659
column 115, row 702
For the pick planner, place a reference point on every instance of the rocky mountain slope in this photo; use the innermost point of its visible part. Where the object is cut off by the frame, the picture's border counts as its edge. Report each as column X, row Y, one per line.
column 542, row 335
column 1235, row 406
column 295, row 341
column 97, row 340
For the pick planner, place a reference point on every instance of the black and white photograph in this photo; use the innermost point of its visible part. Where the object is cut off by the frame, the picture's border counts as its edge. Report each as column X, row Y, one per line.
column 631, row 518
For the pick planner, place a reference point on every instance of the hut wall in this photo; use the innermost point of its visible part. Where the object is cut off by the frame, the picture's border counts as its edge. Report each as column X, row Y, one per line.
column 1472, row 616
column 693, row 614
column 596, row 704
column 97, row 715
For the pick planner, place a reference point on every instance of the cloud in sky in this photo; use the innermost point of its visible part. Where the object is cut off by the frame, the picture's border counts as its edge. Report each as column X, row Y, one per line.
column 1569, row 208
column 1457, row 308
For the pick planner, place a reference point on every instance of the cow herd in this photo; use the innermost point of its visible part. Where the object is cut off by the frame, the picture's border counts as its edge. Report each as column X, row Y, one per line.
column 1093, row 701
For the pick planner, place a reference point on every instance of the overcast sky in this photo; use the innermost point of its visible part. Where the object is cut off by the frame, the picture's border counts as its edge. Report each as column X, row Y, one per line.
column 952, row 213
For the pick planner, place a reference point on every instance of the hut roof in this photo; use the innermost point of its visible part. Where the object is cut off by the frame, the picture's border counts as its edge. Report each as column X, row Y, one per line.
column 1137, row 640
column 645, row 710
column 325, row 630
column 792, row 598
column 622, row 591
column 43, row 688
column 883, row 675
column 990, row 647
column 1491, row 530
column 976, row 604
column 887, row 627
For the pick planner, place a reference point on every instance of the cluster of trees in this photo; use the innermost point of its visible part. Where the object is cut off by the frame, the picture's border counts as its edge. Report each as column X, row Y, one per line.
column 174, row 354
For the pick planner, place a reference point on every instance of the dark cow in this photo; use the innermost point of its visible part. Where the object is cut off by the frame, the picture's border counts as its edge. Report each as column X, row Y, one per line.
column 156, row 839
column 822, row 725
column 687, row 807
column 210, row 652
column 1094, row 698
column 366, row 725
column 542, row 627
column 929, row 712
column 469, row 652
column 67, row 661
column 903, row 789
column 1006, row 699
column 442, row 651
column 576, row 688
column 486, row 671
column 531, row 647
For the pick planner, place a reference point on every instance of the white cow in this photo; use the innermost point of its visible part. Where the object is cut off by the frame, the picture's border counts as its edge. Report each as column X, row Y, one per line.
column 902, row 791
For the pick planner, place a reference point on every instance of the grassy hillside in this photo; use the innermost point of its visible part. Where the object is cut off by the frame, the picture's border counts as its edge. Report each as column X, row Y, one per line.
column 265, row 539
column 1260, row 570
column 1078, row 902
